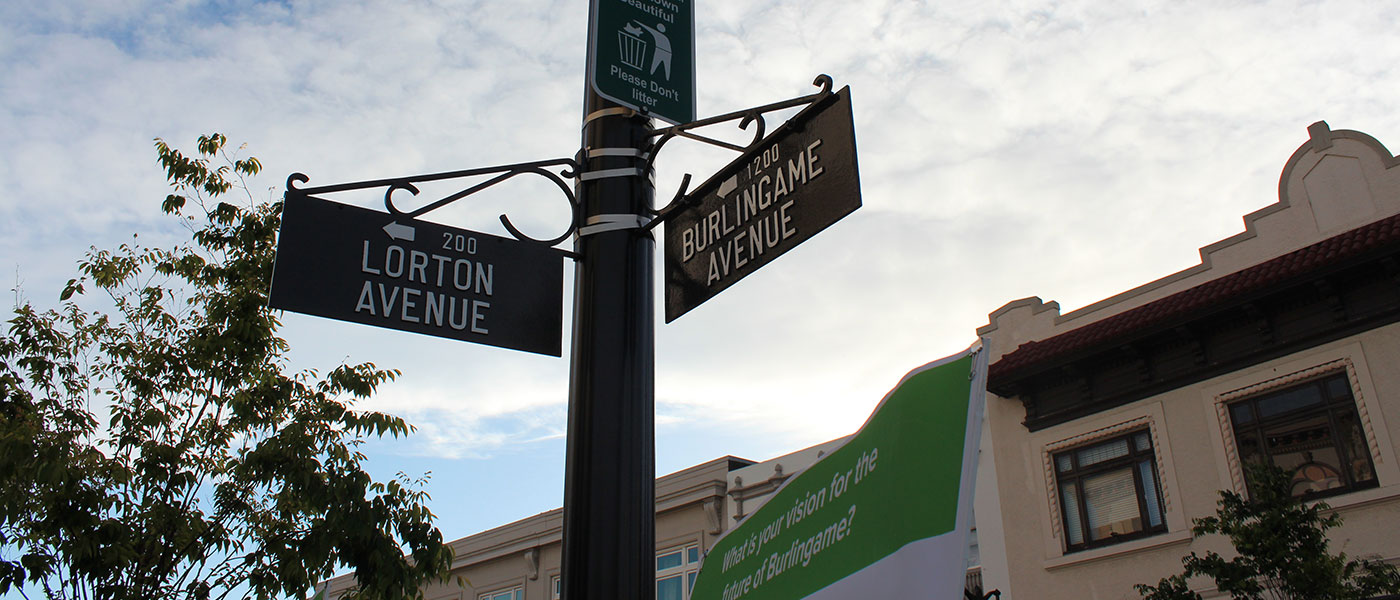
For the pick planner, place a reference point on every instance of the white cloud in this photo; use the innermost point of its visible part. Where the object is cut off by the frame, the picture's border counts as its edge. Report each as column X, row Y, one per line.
column 1068, row 150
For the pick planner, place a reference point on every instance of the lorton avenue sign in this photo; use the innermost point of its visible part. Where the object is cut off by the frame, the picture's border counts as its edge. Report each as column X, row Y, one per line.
column 364, row 266
column 796, row 182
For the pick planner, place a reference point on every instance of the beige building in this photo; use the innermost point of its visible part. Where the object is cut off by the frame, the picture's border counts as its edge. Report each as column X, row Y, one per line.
column 1111, row 427
column 694, row 507
column 521, row 560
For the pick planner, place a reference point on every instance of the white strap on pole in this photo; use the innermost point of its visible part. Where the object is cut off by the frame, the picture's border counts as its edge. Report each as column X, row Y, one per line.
column 633, row 152
column 606, row 173
column 612, row 222
column 608, row 112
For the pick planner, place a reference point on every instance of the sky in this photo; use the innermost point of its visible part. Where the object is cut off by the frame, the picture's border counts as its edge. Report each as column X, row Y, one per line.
column 1068, row 150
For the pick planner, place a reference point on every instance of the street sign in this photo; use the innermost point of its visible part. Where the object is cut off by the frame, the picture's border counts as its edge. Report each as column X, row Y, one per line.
column 364, row 266
column 794, row 183
column 641, row 54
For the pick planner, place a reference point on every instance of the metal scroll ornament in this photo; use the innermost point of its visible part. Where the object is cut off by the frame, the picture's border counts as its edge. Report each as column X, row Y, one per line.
column 749, row 116
column 501, row 173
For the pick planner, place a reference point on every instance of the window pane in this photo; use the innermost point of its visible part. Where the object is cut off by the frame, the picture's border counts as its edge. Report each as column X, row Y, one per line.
column 1338, row 387
column 1287, row 400
column 1299, row 436
column 1119, row 494
column 669, row 560
column 1241, row 413
column 1103, row 452
column 1316, row 476
column 692, row 555
column 669, row 588
column 1251, row 451
column 1064, row 462
column 1320, row 443
column 1289, row 442
column 1069, row 497
column 690, row 579
column 1354, row 443
column 1307, row 450
column 1149, row 488
column 519, row 594
column 1110, row 504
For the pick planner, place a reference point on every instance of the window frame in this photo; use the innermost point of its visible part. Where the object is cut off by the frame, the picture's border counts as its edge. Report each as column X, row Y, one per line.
column 687, row 570
column 1330, row 407
column 516, row 592
column 1077, row 474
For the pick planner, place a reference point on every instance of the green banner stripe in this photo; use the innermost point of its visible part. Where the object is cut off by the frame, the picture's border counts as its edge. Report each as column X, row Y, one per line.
column 894, row 482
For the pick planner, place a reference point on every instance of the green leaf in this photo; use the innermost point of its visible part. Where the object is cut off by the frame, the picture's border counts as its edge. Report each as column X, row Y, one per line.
column 73, row 286
column 1281, row 546
column 207, row 450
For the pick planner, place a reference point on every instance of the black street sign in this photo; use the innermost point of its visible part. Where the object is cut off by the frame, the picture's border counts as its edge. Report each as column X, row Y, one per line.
column 641, row 54
column 364, row 266
column 796, row 182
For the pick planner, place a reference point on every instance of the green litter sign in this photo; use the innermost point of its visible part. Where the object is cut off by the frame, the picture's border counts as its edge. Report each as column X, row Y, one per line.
column 641, row 54
column 886, row 515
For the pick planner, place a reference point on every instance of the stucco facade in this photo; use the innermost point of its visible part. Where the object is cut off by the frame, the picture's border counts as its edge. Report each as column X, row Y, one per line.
column 525, row 555
column 1307, row 296
column 694, row 507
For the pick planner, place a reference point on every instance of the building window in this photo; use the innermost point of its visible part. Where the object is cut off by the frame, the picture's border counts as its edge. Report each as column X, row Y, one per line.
column 513, row 593
column 555, row 585
column 1310, row 430
column 1109, row 491
column 675, row 572
column 676, row 569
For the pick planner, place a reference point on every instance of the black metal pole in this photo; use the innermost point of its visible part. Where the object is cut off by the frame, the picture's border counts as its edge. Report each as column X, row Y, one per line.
column 609, row 493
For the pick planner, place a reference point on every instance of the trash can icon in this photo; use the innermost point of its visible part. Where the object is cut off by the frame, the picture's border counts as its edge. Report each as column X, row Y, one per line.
column 633, row 48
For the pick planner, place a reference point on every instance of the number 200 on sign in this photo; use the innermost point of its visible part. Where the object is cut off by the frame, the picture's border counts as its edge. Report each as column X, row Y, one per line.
column 459, row 242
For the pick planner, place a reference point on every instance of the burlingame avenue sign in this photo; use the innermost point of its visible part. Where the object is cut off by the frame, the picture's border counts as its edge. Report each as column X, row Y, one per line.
column 641, row 54
column 364, row 266
column 795, row 183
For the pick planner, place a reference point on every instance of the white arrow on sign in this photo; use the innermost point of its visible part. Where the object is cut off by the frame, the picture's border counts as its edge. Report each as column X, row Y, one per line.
column 729, row 185
column 399, row 232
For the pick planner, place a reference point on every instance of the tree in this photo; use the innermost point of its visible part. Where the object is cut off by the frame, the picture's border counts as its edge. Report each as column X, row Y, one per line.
column 1281, row 542
column 159, row 449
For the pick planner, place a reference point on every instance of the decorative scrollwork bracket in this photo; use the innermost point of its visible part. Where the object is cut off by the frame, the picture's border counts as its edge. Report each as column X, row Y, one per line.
column 572, row 169
column 503, row 172
column 745, row 117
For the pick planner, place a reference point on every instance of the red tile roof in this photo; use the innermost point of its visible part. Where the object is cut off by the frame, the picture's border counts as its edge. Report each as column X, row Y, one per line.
column 1217, row 293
